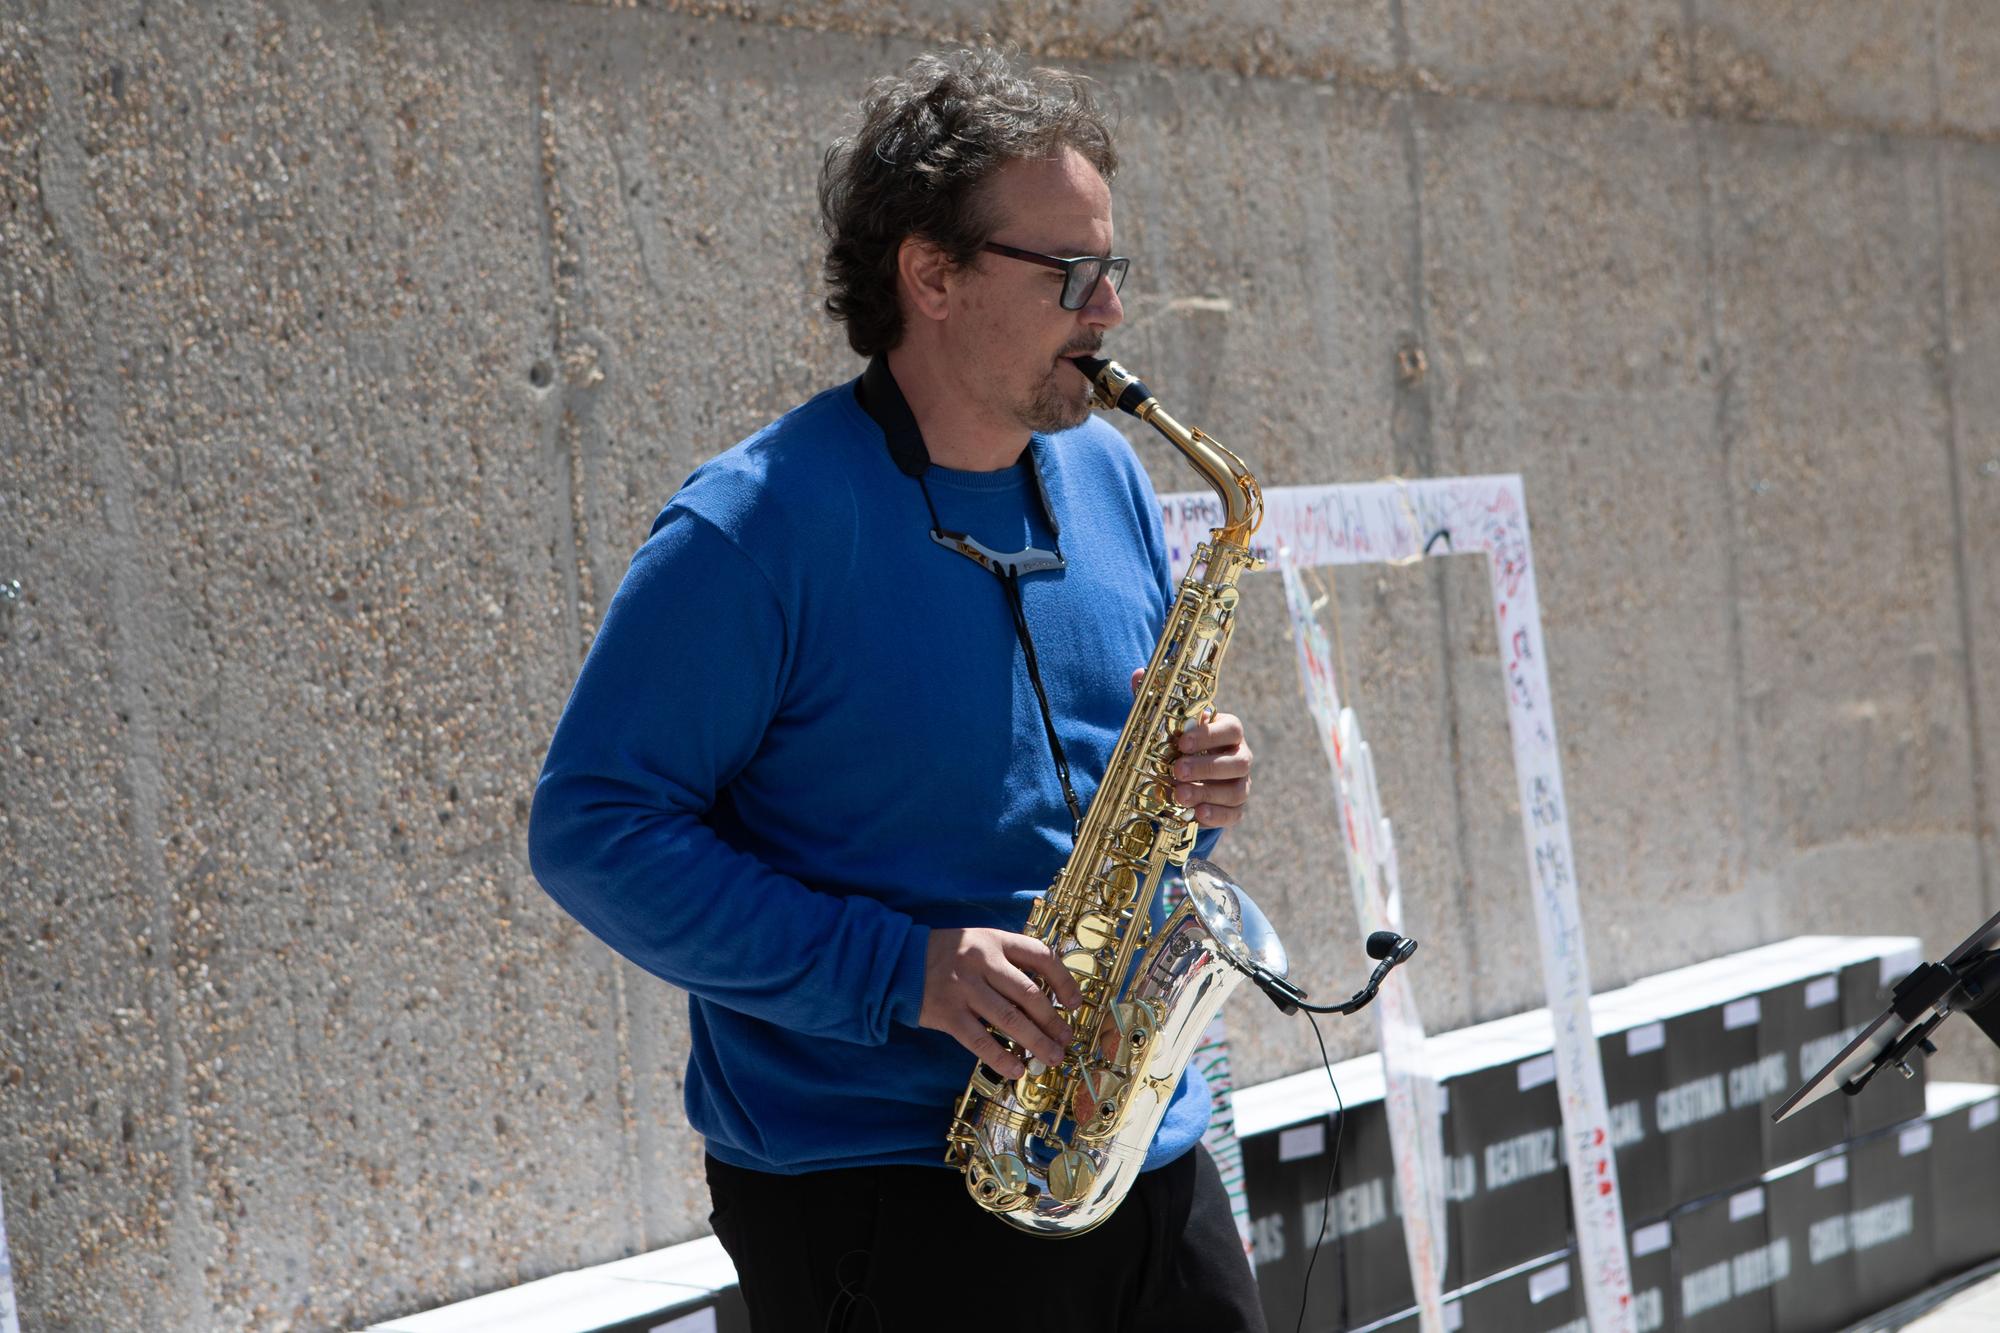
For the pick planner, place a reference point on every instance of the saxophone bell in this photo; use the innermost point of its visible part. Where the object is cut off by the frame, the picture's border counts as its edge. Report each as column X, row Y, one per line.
column 1243, row 935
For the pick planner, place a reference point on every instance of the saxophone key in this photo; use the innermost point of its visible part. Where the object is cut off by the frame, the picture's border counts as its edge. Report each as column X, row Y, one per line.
column 1136, row 1021
column 1120, row 883
column 1034, row 1089
column 1071, row 1175
column 999, row 1181
column 986, row 1083
column 1084, row 963
column 1099, row 1099
column 1134, row 839
column 1093, row 931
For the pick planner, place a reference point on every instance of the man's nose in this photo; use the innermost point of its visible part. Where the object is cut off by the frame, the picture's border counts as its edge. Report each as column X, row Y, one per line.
column 1104, row 310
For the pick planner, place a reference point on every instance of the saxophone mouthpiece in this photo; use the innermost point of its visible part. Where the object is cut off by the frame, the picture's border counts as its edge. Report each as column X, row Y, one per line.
column 1113, row 385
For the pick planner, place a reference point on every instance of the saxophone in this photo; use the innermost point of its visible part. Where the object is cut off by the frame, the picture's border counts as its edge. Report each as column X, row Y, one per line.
column 1055, row 1151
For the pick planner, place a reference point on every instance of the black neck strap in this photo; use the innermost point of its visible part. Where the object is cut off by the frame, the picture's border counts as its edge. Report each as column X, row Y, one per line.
column 882, row 398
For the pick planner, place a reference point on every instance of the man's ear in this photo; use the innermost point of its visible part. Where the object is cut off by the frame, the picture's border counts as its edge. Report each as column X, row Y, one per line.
column 922, row 271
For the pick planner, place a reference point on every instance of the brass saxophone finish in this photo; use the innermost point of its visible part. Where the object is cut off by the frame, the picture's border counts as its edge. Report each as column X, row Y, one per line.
column 1055, row 1151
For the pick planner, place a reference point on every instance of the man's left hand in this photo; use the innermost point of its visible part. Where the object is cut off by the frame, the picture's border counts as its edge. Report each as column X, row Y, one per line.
column 1212, row 776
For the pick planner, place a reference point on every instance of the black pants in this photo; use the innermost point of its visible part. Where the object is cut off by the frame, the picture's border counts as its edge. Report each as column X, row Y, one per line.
column 893, row 1248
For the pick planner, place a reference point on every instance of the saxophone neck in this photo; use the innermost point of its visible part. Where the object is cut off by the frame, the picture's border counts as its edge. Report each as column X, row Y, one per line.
column 1225, row 472
column 1242, row 501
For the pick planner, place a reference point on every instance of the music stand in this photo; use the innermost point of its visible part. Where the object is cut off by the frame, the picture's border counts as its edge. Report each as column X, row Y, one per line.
column 1968, row 977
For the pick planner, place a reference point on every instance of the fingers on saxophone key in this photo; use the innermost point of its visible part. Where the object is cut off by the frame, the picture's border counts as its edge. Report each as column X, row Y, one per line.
column 1010, row 1022
column 1223, row 731
column 975, row 1037
column 1037, row 959
column 1219, row 766
column 1038, row 1009
column 1218, row 816
column 1217, row 794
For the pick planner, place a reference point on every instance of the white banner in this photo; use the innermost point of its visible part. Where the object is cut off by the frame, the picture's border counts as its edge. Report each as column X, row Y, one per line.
column 1397, row 521
column 1212, row 1058
column 1416, row 1137
column 10, row 1315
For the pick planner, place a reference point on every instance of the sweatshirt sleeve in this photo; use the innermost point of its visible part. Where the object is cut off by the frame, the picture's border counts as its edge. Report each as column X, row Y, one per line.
column 682, row 680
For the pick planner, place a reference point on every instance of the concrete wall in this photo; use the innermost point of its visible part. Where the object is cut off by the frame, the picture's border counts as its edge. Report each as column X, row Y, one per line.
column 349, row 350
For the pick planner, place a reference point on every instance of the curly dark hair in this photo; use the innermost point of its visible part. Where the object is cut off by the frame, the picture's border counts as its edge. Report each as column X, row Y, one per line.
column 929, row 138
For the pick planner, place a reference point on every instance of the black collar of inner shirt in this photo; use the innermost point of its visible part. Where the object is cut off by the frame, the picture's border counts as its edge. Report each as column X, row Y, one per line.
column 882, row 399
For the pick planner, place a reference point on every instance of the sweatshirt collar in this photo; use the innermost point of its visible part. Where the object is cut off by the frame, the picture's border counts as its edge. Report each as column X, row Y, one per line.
column 882, row 399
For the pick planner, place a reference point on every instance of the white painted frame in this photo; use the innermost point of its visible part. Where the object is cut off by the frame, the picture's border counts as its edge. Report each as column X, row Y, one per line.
column 1400, row 521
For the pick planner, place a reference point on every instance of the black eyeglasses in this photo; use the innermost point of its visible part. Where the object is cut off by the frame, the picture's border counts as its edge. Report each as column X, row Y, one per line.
column 1080, row 275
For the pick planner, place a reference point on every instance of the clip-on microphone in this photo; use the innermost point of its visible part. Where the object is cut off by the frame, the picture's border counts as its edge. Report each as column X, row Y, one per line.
column 1384, row 945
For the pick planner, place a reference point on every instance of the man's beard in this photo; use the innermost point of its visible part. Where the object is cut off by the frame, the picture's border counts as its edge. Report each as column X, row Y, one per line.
column 1055, row 406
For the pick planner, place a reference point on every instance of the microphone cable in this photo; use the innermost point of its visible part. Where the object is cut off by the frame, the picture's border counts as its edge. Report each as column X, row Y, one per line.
column 1332, row 1171
column 1388, row 949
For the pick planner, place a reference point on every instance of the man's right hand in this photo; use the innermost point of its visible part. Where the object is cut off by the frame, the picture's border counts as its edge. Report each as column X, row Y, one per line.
column 980, row 976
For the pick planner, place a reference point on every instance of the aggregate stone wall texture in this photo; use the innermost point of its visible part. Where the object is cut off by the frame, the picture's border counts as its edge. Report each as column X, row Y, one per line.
column 352, row 348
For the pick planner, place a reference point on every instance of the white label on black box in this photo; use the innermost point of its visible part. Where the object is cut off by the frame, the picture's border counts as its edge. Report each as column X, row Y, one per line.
column 1747, row 1204
column 1750, row 1084
column 1549, row 1282
column 1833, row 1171
column 1650, row 1037
column 1461, row 1178
column 1741, row 1013
column 1522, row 1157
column 1705, row 1288
column 1652, row 1239
column 1690, row 1103
column 1983, row 1115
column 1302, row 1141
column 1533, row 1073
column 1628, row 1125
column 1914, row 1139
column 1454, row 1317
column 1822, row 991
column 1884, row 1222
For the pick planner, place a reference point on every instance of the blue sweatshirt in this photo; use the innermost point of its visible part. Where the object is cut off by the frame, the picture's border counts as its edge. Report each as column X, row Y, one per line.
column 805, row 735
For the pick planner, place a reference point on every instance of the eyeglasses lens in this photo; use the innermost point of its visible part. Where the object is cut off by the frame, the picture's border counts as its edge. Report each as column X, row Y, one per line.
column 1084, row 277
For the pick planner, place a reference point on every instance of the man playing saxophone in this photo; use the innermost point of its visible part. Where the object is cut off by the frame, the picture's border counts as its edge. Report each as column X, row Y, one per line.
column 846, row 711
